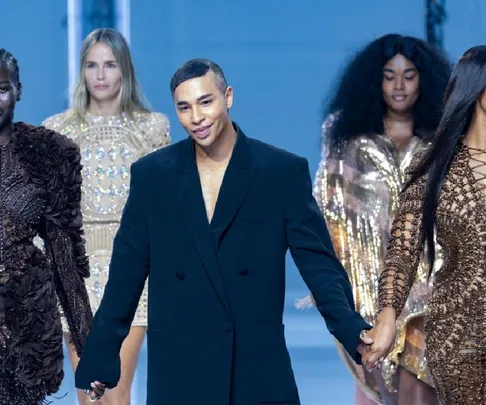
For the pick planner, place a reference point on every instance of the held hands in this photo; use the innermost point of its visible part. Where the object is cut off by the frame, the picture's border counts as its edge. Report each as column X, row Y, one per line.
column 365, row 340
column 383, row 337
column 96, row 392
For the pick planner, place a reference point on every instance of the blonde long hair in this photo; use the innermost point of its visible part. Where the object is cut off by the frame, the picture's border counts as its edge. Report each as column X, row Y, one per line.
column 131, row 96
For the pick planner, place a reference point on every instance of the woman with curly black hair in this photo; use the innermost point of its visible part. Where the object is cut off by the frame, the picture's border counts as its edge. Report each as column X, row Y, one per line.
column 40, row 194
column 385, row 108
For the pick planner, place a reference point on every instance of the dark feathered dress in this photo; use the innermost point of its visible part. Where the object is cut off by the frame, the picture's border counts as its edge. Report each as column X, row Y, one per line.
column 40, row 194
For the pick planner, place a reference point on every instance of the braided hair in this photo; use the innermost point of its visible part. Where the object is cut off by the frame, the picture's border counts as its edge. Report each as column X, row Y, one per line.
column 8, row 61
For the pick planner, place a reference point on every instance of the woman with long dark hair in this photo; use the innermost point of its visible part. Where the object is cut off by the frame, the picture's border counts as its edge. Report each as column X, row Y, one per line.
column 445, row 197
column 385, row 108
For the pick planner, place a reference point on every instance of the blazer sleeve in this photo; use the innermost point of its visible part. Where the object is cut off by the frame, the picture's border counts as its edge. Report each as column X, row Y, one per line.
column 310, row 245
column 129, row 270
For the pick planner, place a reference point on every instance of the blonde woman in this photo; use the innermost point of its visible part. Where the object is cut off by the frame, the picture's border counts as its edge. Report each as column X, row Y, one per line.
column 113, row 127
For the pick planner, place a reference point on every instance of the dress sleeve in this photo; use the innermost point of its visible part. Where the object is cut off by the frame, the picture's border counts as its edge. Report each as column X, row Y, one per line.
column 356, row 189
column 56, row 122
column 156, row 130
column 404, row 249
column 63, row 238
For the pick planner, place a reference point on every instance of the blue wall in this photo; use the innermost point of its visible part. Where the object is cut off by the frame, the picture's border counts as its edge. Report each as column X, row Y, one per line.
column 280, row 57
column 465, row 26
column 35, row 32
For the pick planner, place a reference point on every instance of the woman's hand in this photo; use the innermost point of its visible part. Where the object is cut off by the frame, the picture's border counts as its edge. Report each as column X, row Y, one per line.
column 383, row 335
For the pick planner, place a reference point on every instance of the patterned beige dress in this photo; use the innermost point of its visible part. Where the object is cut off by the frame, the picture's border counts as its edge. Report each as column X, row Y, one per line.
column 109, row 145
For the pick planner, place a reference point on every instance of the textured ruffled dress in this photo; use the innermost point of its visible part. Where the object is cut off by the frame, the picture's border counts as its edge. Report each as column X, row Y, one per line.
column 40, row 194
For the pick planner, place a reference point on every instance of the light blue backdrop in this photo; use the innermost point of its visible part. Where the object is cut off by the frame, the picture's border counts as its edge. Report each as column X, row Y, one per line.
column 280, row 57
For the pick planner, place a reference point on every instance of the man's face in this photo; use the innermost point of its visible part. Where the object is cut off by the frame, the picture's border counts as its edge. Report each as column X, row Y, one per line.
column 202, row 108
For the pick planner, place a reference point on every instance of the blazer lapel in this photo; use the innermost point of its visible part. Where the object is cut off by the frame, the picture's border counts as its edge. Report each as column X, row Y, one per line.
column 238, row 179
column 192, row 209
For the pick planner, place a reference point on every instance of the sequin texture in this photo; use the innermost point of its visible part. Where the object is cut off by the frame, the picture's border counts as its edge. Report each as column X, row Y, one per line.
column 109, row 145
column 357, row 187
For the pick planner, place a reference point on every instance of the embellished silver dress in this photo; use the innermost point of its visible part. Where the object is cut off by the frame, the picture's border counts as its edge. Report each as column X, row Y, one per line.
column 109, row 145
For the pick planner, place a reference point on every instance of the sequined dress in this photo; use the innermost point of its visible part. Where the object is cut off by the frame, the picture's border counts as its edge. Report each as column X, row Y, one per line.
column 109, row 145
column 357, row 188
column 456, row 316
column 40, row 193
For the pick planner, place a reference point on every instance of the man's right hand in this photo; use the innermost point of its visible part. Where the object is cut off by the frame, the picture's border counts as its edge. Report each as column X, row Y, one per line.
column 383, row 335
column 96, row 392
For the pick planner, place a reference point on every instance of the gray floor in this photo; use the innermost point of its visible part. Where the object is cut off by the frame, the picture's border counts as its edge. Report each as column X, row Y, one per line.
column 321, row 376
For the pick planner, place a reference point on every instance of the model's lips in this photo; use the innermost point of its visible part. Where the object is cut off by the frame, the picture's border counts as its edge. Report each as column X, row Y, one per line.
column 202, row 132
column 101, row 86
column 399, row 97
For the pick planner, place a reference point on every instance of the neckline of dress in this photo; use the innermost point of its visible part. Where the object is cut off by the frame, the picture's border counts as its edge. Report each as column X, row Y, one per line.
column 104, row 117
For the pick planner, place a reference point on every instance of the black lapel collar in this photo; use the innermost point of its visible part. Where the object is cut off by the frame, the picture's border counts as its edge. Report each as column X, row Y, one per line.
column 192, row 208
column 238, row 179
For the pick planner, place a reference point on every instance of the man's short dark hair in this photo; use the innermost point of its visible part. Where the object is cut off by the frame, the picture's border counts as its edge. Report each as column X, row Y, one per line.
column 197, row 68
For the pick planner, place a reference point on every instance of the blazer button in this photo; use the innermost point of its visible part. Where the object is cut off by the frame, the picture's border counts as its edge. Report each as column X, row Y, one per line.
column 228, row 326
column 243, row 271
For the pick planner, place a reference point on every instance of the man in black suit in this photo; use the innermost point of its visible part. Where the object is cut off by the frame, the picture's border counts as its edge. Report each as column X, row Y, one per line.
column 210, row 218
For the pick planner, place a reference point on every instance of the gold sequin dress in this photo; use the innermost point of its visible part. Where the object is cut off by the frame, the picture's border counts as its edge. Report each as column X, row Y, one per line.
column 357, row 190
column 109, row 145
column 456, row 316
